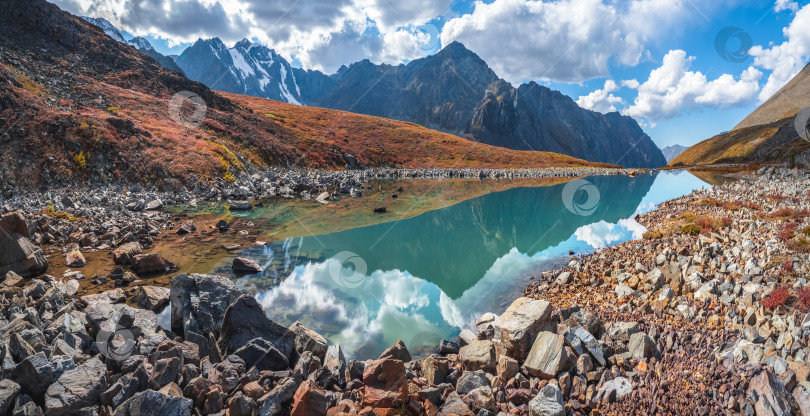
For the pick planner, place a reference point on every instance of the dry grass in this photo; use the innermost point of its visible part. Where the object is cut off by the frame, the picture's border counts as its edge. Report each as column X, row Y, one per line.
column 377, row 141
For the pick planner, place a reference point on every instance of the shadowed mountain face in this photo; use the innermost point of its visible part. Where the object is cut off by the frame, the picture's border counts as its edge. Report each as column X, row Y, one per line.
column 533, row 117
column 455, row 91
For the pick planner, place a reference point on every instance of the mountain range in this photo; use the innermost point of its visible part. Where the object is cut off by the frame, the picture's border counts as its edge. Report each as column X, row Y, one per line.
column 141, row 44
column 78, row 107
column 453, row 91
column 671, row 152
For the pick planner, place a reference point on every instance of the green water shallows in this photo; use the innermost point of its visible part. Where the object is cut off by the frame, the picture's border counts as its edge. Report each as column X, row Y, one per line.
column 425, row 278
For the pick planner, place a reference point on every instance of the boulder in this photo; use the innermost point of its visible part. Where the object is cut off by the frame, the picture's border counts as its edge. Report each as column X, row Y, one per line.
column 262, row 355
column 386, row 383
column 152, row 263
column 478, row 355
column 519, row 325
column 613, row 390
column 8, row 391
column 241, row 405
column 548, row 356
column 641, row 346
column 12, row 280
column 548, row 402
column 74, row 258
column 14, row 223
column 165, row 371
column 126, row 252
column 77, row 388
column 153, row 298
column 241, row 205
column 435, row 369
column 481, row 398
column 186, row 228
column 308, row 340
column 454, row 405
column 309, row 400
column 34, row 374
column 335, row 364
column 243, row 266
column 245, row 320
column 152, row 403
column 275, row 401
column 621, row 331
column 770, row 395
column 17, row 253
column 398, row 351
column 471, row 380
column 199, row 302
column 589, row 343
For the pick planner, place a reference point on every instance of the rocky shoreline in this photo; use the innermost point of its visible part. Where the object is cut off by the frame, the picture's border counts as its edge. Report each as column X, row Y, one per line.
column 705, row 315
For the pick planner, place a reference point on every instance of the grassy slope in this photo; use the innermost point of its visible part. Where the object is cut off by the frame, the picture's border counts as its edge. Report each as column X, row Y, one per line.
column 378, row 141
column 793, row 97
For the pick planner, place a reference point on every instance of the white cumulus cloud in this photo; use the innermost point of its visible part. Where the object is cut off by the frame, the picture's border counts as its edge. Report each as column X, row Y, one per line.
column 785, row 60
column 782, row 5
column 566, row 40
column 601, row 100
column 672, row 89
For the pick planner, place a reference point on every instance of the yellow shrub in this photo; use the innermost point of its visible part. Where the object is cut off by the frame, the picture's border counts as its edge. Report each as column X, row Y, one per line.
column 81, row 160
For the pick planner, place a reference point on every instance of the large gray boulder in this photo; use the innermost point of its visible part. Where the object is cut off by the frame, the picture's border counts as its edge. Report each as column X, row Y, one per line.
column 17, row 253
column 245, row 320
column 519, row 325
column 76, row 388
column 34, row 374
column 199, row 302
column 478, row 355
column 548, row 356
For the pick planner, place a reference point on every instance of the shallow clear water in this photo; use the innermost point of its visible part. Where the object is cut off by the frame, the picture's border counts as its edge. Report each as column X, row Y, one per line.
column 425, row 278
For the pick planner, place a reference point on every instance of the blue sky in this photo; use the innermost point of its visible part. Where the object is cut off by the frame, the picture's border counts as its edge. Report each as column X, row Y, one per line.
column 654, row 60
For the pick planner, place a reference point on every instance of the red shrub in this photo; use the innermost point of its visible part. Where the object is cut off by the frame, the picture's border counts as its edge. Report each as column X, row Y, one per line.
column 727, row 221
column 784, row 213
column 778, row 297
column 785, row 235
column 787, row 266
column 803, row 295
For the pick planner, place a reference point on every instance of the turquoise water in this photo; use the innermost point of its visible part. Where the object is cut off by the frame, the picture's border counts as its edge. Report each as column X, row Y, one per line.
column 425, row 278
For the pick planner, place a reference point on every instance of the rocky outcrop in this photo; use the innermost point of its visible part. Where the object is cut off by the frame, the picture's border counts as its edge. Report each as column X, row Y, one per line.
column 76, row 388
column 17, row 253
column 245, row 320
column 199, row 302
